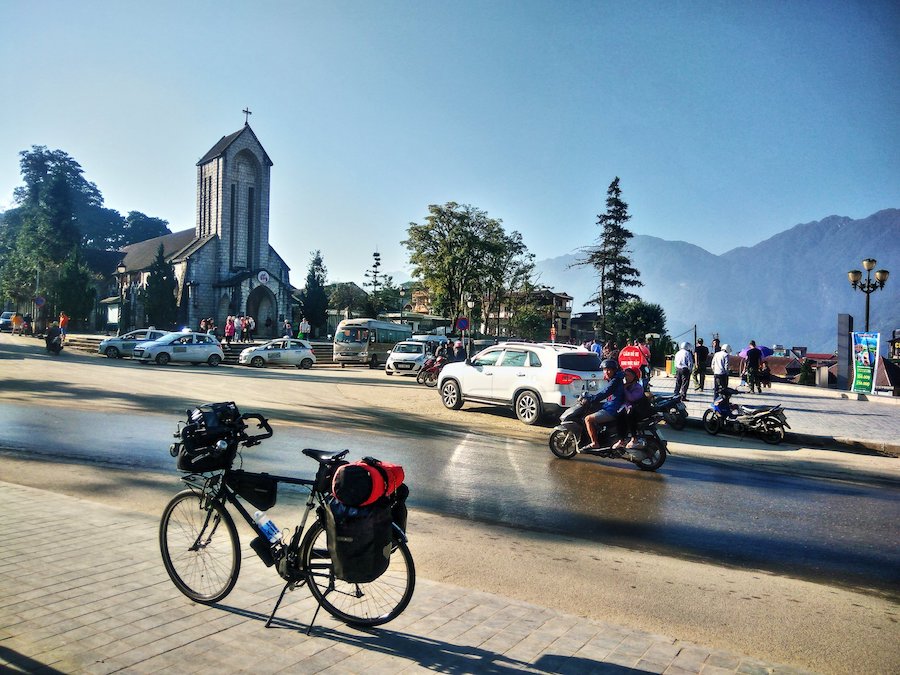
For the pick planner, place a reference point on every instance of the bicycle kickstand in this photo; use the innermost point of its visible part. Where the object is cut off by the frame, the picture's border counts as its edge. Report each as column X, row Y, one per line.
column 277, row 604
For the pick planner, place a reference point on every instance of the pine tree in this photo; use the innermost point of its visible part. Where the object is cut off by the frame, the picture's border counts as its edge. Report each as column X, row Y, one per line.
column 313, row 301
column 611, row 256
column 159, row 296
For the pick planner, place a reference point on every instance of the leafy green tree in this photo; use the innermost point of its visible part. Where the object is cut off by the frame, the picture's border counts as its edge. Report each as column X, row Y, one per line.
column 73, row 290
column 158, row 298
column 635, row 319
column 610, row 257
column 313, row 301
column 140, row 227
column 458, row 253
column 344, row 296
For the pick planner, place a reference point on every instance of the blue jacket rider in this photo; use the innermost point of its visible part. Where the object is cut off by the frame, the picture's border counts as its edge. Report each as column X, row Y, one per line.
column 613, row 392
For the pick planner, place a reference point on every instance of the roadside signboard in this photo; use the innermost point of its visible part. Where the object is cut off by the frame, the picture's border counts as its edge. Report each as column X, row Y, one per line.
column 462, row 323
column 631, row 357
column 865, row 361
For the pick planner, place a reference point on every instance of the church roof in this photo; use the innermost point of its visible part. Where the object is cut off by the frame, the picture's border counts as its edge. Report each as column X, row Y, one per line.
column 219, row 148
column 140, row 256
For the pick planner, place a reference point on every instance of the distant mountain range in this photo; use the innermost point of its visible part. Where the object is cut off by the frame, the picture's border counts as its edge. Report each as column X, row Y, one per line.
column 785, row 290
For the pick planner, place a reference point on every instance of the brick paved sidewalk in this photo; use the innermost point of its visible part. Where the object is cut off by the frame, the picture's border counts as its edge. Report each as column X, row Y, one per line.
column 83, row 590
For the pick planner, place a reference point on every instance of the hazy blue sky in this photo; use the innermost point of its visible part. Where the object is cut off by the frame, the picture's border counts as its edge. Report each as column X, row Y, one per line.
column 727, row 122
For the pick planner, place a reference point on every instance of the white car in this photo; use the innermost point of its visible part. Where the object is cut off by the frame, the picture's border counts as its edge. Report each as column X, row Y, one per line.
column 123, row 345
column 532, row 379
column 280, row 352
column 406, row 357
column 181, row 347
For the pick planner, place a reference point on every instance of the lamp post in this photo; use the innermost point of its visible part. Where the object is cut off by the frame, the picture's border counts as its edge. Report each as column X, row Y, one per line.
column 120, row 272
column 470, row 303
column 868, row 286
column 402, row 293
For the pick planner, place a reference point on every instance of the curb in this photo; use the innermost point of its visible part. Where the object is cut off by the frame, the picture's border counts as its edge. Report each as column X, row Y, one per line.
column 838, row 444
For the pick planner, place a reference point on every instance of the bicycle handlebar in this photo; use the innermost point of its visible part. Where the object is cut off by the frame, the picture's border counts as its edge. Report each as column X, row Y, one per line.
column 262, row 423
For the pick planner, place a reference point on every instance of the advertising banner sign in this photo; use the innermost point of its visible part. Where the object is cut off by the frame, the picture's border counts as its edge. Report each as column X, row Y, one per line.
column 865, row 361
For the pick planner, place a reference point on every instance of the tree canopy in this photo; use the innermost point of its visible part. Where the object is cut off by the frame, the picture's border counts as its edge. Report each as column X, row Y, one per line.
column 160, row 302
column 459, row 252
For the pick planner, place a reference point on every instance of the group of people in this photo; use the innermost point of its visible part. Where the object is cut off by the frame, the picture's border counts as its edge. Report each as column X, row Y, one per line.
column 237, row 328
column 692, row 364
column 23, row 324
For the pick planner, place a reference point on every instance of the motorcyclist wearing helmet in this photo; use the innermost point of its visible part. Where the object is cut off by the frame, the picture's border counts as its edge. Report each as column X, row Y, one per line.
column 720, row 370
column 611, row 394
column 684, row 365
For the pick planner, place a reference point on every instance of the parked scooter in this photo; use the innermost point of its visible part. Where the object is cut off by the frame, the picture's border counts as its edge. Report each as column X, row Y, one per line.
column 570, row 437
column 768, row 421
column 428, row 374
column 672, row 409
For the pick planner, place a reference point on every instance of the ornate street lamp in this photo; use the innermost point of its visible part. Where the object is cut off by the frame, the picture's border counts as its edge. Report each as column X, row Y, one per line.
column 868, row 286
column 402, row 293
column 120, row 273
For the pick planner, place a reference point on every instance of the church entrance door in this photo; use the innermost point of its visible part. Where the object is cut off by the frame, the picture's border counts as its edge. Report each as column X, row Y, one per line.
column 261, row 305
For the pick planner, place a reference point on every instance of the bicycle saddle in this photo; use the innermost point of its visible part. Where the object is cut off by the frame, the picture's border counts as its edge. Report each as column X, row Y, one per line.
column 323, row 455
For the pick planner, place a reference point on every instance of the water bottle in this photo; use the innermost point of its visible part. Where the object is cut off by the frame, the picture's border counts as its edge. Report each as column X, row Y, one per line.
column 267, row 527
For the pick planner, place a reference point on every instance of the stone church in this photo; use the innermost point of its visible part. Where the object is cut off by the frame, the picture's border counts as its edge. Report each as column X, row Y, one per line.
column 224, row 265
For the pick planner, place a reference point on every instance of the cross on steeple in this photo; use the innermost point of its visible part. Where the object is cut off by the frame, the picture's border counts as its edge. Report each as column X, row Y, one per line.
column 247, row 114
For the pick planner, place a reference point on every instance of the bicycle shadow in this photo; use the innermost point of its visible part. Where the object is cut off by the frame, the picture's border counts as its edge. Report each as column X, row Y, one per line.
column 438, row 655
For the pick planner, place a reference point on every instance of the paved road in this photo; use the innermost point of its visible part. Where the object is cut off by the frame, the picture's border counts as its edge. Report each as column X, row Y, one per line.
column 809, row 527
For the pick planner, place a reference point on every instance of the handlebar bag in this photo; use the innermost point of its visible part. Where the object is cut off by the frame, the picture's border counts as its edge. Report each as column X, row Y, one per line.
column 359, row 540
column 207, row 425
column 364, row 483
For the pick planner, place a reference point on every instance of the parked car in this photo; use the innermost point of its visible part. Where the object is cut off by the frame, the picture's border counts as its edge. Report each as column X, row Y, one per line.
column 123, row 345
column 6, row 321
column 180, row 347
column 532, row 379
column 280, row 352
column 406, row 357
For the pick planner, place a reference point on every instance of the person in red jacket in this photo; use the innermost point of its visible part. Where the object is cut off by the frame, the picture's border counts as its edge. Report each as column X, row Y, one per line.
column 63, row 325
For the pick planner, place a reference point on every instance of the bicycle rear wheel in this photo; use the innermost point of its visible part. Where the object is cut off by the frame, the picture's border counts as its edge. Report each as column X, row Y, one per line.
column 199, row 547
column 370, row 604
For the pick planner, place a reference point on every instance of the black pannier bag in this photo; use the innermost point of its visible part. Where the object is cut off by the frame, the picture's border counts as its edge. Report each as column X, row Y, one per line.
column 359, row 540
column 205, row 427
column 261, row 491
column 398, row 506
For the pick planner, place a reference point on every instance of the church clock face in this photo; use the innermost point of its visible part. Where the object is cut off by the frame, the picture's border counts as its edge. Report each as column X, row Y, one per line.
column 263, row 277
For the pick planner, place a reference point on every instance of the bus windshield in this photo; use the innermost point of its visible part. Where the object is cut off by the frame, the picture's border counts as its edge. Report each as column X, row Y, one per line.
column 352, row 334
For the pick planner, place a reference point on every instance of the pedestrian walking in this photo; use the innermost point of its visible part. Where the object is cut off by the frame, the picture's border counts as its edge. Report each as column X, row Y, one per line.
column 684, row 364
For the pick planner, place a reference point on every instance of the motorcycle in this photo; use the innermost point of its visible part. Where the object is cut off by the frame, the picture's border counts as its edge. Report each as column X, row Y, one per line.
column 672, row 409
column 570, row 437
column 428, row 374
column 768, row 421
column 54, row 344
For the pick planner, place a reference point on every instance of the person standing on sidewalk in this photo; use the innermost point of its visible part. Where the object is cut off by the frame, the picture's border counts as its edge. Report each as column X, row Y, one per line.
column 684, row 364
column 754, row 358
column 63, row 326
column 701, row 353
column 720, row 370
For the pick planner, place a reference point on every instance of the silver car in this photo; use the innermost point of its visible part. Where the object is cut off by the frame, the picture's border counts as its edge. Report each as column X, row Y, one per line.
column 180, row 347
column 123, row 345
column 280, row 352
column 406, row 357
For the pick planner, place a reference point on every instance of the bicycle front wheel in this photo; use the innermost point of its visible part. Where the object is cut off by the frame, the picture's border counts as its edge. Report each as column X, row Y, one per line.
column 370, row 604
column 199, row 547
